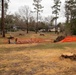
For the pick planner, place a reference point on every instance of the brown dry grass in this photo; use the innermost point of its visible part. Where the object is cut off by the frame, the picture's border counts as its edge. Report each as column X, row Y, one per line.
column 36, row 62
column 34, row 59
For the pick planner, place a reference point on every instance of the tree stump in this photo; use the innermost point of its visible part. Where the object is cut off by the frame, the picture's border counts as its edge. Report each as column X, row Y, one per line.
column 69, row 56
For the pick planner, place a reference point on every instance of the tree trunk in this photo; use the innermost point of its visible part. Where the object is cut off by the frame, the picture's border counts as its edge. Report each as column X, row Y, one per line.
column 2, row 25
column 27, row 26
column 56, row 24
column 37, row 23
column 71, row 27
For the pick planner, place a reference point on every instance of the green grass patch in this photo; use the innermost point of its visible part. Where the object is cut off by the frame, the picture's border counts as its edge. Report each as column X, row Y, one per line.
column 39, row 46
column 54, row 46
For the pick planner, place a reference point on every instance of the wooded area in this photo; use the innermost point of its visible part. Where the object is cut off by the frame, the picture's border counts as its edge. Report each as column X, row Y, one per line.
column 24, row 19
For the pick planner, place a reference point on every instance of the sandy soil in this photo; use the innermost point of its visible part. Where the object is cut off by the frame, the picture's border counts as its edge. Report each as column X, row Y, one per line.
column 37, row 62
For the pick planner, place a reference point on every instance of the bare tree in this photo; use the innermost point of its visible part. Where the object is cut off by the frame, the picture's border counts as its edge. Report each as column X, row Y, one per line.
column 25, row 12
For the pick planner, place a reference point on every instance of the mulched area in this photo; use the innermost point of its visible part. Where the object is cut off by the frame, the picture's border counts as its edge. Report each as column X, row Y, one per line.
column 32, row 40
column 40, row 40
column 28, row 40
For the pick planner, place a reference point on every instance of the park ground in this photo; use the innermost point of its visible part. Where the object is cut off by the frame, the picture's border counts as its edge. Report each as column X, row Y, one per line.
column 37, row 58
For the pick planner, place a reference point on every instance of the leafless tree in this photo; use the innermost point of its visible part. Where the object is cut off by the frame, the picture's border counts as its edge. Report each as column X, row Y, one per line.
column 25, row 13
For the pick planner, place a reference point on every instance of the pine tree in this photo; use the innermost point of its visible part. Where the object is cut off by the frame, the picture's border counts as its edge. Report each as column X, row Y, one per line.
column 70, row 13
column 56, row 9
column 38, row 8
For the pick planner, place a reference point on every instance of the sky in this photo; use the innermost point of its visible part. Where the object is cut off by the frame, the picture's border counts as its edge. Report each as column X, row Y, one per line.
column 14, row 6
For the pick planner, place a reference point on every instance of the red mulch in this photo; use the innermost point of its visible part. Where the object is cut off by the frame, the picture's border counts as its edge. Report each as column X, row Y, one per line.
column 69, row 39
column 29, row 40
column 32, row 40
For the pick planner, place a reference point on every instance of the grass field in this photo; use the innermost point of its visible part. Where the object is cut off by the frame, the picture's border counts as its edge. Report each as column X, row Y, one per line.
column 37, row 58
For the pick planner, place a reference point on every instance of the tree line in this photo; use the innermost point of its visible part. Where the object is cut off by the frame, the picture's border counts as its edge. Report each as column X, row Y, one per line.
column 24, row 19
